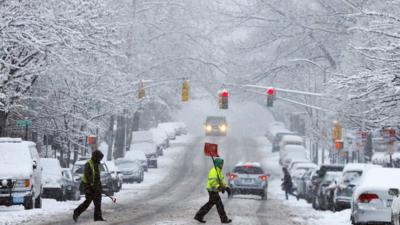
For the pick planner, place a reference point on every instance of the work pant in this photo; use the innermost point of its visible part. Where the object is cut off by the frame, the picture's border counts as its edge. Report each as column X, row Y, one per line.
column 214, row 199
column 289, row 191
column 96, row 198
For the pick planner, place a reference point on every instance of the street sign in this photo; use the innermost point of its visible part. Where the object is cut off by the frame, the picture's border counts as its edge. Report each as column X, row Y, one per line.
column 24, row 123
column 211, row 150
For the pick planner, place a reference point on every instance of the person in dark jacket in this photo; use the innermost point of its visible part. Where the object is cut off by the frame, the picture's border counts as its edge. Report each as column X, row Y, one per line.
column 91, row 184
column 287, row 184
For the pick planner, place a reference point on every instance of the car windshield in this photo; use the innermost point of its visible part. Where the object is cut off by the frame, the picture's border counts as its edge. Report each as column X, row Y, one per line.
column 79, row 168
column 67, row 174
column 215, row 120
column 248, row 170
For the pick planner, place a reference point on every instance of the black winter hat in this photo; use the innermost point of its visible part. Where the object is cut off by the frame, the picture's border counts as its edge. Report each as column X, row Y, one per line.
column 97, row 155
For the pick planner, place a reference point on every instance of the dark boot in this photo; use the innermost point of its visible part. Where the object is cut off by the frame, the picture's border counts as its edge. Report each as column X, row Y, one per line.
column 75, row 217
column 201, row 220
column 227, row 221
column 100, row 219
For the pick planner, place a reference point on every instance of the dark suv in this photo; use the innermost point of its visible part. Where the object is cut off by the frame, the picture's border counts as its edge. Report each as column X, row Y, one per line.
column 216, row 126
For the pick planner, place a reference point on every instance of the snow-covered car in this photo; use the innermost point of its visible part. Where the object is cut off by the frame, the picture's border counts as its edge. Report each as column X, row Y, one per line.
column 180, row 128
column 131, row 170
column 105, row 176
column 20, row 173
column 160, row 138
column 150, row 151
column 316, row 179
column 277, row 138
column 352, row 174
column 290, row 140
column 324, row 194
column 395, row 208
column 72, row 187
column 116, row 175
column 169, row 129
column 140, row 156
column 301, row 185
column 300, row 164
column 140, row 137
column 371, row 201
column 248, row 178
column 216, row 126
column 54, row 184
column 292, row 152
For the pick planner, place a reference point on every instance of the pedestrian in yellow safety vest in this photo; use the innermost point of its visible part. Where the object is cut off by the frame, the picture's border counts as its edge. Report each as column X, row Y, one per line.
column 91, row 183
column 215, row 185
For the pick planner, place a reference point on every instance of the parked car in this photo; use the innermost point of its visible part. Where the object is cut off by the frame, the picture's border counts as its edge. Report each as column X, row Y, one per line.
column 131, row 170
column 352, row 174
column 20, row 174
column 116, row 175
column 325, row 191
column 291, row 140
column 182, row 128
column 303, row 185
column 310, row 180
column 139, row 137
column 277, row 138
column 292, row 152
column 395, row 208
column 297, row 172
column 54, row 184
column 248, row 178
column 160, row 139
column 105, row 176
column 316, row 178
column 140, row 156
column 169, row 129
column 371, row 201
column 301, row 165
column 216, row 126
column 72, row 186
column 150, row 151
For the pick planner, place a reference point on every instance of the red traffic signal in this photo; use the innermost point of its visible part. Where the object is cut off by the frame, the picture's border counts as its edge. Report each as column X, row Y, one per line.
column 224, row 93
column 271, row 91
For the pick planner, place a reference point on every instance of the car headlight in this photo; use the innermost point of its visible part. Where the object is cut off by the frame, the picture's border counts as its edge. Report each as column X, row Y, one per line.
column 208, row 128
column 222, row 127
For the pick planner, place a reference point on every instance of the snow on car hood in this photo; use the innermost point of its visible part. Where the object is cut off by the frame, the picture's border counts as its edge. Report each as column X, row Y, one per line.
column 51, row 181
column 147, row 148
column 22, row 171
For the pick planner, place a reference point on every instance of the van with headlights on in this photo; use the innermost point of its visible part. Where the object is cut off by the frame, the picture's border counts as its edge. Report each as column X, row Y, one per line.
column 216, row 126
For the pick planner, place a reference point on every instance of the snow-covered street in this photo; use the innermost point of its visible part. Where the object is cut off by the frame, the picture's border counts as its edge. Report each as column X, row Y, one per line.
column 173, row 194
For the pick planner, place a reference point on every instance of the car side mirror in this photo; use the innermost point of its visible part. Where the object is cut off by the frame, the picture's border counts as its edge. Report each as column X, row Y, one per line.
column 34, row 165
column 394, row 192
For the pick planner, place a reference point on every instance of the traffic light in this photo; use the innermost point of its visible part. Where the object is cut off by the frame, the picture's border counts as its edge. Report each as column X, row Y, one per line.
column 338, row 144
column 337, row 131
column 223, row 99
column 141, row 92
column 185, row 91
column 271, row 96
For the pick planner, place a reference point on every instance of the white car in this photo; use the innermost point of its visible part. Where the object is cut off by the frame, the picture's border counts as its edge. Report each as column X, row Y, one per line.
column 291, row 140
column 139, row 155
column 116, row 175
column 160, row 137
column 20, row 173
column 169, row 129
column 292, row 152
column 54, row 185
column 371, row 202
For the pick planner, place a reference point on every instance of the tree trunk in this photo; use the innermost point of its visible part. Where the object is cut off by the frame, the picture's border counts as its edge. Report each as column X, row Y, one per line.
column 119, row 150
column 110, row 138
column 3, row 123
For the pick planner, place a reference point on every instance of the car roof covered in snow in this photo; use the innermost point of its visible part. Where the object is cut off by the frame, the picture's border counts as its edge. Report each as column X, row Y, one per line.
column 51, row 166
column 142, row 136
column 358, row 167
column 293, row 148
column 378, row 179
column 15, row 159
column 293, row 138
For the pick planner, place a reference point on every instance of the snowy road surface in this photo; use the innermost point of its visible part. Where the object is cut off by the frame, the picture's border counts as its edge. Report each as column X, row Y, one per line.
column 174, row 192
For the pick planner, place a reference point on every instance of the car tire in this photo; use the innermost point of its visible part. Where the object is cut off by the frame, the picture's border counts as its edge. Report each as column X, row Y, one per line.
column 28, row 204
column 38, row 202
column 59, row 197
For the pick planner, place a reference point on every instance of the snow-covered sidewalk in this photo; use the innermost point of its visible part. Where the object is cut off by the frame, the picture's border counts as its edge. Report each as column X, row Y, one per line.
column 302, row 211
column 17, row 214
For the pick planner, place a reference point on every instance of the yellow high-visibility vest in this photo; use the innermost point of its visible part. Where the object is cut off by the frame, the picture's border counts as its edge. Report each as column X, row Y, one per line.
column 215, row 179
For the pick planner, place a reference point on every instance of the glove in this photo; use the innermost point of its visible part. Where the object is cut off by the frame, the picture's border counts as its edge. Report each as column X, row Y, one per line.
column 229, row 191
column 221, row 189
